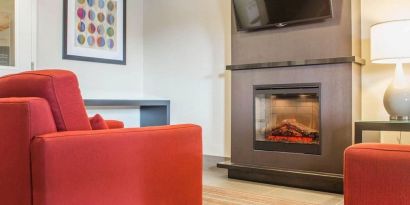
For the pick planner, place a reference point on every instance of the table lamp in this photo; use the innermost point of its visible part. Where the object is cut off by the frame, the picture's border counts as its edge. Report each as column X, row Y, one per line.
column 390, row 44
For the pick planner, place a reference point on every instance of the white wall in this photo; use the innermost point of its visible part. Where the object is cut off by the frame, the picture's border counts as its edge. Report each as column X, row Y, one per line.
column 184, row 60
column 376, row 77
column 96, row 80
column 184, row 47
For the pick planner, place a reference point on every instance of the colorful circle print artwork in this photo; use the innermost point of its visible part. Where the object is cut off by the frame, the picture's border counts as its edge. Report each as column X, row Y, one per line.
column 96, row 25
column 101, row 4
column 81, row 39
column 90, row 3
column 91, row 15
column 91, row 28
column 81, row 13
column 101, row 17
column 91, row 40
column 81, row 27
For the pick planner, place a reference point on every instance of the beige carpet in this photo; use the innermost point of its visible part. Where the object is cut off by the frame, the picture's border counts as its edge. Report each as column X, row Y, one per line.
column 222, row 196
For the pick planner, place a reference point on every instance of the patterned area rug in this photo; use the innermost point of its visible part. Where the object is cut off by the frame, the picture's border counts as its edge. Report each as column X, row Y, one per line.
column 221, row 196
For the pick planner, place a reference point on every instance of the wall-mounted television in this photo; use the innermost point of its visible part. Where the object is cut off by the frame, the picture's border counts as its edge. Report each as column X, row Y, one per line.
column 258, row 14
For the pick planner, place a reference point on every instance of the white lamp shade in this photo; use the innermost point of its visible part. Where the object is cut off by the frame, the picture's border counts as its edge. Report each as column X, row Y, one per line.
column 390, row 42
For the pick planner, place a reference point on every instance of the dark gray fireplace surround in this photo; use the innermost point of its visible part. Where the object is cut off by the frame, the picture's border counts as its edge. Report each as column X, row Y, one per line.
column 325, row 53
column 340, row 101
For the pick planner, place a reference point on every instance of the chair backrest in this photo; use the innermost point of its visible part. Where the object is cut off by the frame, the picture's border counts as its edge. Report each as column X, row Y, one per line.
column 59, row 87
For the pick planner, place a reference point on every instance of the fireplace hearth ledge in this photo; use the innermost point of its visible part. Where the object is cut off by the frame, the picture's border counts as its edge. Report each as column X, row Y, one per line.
column 293, row 63
column 293, row 178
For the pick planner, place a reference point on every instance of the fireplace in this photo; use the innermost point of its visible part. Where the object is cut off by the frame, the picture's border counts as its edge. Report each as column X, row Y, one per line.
column 287, row 118
column 291, row 125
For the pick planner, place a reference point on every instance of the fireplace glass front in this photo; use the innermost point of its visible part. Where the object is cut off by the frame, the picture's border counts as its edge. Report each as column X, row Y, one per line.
column 287, row 118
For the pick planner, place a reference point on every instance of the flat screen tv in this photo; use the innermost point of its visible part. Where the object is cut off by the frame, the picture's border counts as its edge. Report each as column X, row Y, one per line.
column 258, row 14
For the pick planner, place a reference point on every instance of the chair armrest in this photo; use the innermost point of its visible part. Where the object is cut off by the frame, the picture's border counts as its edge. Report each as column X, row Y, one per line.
column 114, row 124
column 20, row 120
column 156, row 165
column 377, row 174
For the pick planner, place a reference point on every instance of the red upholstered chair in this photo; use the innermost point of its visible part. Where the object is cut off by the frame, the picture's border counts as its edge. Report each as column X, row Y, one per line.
column 377, row 174
column 50, row 156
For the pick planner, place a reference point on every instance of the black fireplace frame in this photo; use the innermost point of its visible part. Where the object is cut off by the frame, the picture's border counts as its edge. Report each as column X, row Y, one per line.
column 313, row 149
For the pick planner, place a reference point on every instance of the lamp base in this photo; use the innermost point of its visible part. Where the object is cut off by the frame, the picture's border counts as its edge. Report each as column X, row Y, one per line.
column 399, row 118
column 397, row 97
column 397, row 102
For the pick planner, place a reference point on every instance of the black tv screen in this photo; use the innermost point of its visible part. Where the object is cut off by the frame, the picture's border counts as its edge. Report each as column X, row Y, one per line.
column 257, row 14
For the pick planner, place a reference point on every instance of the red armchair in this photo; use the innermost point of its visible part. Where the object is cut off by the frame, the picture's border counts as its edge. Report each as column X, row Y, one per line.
column 377, row 174
column 50, row 156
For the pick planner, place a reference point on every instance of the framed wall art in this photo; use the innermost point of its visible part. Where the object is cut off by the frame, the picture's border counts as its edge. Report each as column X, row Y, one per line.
column 95, row 30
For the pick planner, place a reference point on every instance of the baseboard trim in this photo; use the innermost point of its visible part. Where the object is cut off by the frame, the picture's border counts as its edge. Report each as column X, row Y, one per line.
column 293, row 178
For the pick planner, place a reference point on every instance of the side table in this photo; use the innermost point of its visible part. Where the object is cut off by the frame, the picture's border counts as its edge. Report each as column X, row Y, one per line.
column 399, row 126
column 153, row 112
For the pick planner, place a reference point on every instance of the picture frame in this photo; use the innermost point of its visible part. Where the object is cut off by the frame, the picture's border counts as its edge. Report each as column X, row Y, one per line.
column 95, row 31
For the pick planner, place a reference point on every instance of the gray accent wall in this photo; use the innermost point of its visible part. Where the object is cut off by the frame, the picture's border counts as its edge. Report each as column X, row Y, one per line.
column 336, row 37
